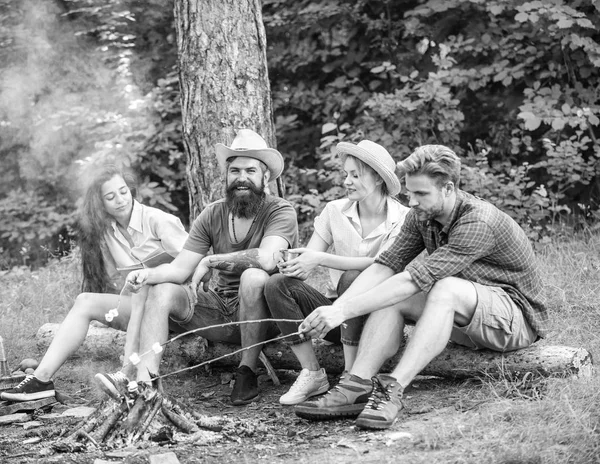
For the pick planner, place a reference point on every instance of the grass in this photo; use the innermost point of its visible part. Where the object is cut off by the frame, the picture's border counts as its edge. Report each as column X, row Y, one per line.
column 560, row 426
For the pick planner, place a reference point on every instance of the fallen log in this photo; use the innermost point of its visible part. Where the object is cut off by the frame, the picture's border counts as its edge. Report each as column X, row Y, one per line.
column 455, row 361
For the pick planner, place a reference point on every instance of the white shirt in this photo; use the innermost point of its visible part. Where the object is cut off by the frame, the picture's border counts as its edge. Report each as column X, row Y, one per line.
column 151, row 230
column 339, row 226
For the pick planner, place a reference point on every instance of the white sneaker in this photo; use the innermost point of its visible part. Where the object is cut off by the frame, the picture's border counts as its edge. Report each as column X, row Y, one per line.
column 114, row 384
column 308, row 383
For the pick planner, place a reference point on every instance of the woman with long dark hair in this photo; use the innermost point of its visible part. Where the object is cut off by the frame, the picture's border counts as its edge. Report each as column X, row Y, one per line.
column 116, row 234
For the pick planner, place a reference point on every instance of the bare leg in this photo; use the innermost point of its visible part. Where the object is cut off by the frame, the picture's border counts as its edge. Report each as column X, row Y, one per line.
column 163, row 300
column 382, row 334
column 352, row 330
column 253, row 307
column 132, row 338
column 350, row 353
column 451, row 299
column 306, row 355
column 73, row 329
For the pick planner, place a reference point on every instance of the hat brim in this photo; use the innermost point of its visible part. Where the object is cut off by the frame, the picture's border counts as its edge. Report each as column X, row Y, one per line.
column 389, row 176
column 271, row 157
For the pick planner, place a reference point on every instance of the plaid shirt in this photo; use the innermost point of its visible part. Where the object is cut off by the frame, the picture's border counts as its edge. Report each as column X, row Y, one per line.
column 481, row 244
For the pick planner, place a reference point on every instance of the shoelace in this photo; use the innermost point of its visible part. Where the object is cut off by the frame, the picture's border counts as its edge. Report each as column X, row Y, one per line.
column 301, row 381
column 119, row 377
column 379, row 396
column 25, row 381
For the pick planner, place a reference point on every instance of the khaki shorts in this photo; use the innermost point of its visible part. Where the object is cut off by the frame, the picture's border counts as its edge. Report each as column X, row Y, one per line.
column 498, row 323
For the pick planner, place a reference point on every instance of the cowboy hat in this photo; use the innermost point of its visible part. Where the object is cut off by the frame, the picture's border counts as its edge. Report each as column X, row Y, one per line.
column 375, row 156
column 249, row 144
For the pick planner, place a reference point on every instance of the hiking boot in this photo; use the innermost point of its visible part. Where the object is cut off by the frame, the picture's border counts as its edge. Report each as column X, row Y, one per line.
column 308, row 384
column 114, row 385
column 346, row 399
column 30, row 388
column 385, row 403
column 245, row 388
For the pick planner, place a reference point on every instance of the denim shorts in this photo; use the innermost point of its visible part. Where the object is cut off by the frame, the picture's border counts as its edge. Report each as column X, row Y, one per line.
column 498, row 323
column 208, row 309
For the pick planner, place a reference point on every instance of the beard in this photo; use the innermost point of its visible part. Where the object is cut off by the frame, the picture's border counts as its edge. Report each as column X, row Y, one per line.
column 244, row 204
column 430, row 213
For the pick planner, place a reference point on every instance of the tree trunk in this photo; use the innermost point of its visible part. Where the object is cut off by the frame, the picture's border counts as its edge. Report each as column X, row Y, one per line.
column 455, row 362
column 224, row 86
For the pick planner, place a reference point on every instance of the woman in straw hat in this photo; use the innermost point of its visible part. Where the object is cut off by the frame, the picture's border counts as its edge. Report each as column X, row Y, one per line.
column 348, row 234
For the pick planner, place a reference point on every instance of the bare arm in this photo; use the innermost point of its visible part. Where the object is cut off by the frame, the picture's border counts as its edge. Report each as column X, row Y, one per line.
column 264, row 257
column 177, row 271
column 368, row 295
column 315, row 254
column 376, row 288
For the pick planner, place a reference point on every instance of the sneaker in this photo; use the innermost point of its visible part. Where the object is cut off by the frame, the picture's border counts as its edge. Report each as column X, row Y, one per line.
column 308, row 384
column 346, row 399
column 245, row 388
column 114, row 385
column 385, row 403
column 30, row 388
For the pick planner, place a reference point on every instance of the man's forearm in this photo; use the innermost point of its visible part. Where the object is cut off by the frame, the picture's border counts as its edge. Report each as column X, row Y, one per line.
column 366, row 280
column 166, row 273
column 237, row 262
column 375, row 296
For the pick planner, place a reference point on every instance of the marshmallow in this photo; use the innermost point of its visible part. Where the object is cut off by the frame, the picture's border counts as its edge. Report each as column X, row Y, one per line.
column 157, row 348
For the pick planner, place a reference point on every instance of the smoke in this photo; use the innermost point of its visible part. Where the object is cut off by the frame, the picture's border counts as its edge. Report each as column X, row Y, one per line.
column 63, row 102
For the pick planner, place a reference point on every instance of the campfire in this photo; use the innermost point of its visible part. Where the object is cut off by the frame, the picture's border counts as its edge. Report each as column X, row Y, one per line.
column 142, row 414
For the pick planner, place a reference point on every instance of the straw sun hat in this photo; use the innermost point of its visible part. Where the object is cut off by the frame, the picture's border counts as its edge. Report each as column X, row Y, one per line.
column 375, row 156
column 249, row 144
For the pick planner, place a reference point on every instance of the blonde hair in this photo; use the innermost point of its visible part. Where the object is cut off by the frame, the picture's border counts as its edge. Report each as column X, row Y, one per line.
column 435, row 161
column 362, row 167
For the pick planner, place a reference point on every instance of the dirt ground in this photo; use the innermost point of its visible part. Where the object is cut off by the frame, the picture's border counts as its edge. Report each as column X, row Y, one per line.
column 261, row 430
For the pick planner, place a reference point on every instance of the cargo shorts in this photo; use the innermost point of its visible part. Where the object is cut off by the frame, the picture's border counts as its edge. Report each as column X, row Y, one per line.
column 498, row 323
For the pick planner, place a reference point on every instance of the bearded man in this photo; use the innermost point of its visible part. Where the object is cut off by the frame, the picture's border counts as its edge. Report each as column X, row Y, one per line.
column 245, row 232
column 478, row 286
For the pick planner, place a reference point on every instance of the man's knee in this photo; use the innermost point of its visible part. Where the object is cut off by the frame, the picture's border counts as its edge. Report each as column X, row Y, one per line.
column 456, row 295
column 449, row 289
column 252, row 283
column 346, row 280
column 166, row 298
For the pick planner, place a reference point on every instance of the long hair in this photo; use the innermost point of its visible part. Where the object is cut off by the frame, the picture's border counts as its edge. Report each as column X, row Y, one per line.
column 93, row 222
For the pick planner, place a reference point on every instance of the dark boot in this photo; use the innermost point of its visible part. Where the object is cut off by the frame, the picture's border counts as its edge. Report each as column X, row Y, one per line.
column 245, row 388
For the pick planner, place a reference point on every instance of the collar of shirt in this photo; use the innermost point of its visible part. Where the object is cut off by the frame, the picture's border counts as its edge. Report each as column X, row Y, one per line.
column 135, row 222
column 393, row 216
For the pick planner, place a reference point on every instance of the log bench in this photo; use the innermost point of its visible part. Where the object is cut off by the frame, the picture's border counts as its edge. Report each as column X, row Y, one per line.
column 455, row 362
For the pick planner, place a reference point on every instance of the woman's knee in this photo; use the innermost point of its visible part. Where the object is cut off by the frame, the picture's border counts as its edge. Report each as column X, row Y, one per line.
column 86, row 305
column 346, row 280
column 274, row 286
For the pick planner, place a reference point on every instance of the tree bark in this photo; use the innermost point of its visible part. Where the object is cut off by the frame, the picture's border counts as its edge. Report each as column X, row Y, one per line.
column 224, row 86
column 455, row 362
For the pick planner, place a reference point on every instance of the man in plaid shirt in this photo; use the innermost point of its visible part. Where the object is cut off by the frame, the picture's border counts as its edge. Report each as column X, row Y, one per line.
column 477, row 286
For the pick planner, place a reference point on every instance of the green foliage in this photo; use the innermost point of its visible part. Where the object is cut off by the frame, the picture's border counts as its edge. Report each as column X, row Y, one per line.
column 510, row 85
column 32, row 227
column 516, row 80
column 96, row 93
